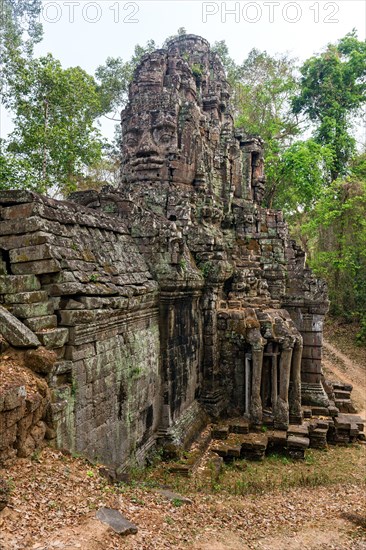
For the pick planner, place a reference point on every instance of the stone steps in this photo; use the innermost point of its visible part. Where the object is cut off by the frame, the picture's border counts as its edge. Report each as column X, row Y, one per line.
column 230, row 443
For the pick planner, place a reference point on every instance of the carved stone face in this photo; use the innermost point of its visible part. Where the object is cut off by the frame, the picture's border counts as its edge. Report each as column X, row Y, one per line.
column 149, row 141
column 155, row 148
column 152, row 71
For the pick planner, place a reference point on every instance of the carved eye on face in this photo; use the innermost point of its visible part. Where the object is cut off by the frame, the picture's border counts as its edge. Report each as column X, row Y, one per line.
column 163, row 136
column 131, row 141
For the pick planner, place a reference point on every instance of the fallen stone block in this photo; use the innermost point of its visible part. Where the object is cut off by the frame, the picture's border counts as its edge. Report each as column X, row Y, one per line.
column 276, row 438
column 116, row 521
column 15, row 332
column 180, row 469
column 53, row 338
column 301, row 430
column 297, row 442
column 220, row 450
column 342, row 422
column 239, row 426
column 220, row 432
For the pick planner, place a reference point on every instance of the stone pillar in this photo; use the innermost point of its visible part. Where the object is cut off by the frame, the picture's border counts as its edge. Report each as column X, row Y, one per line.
column 312, row 333
column 281, row 412
column 295, row 385
column 274, row 380
column 247, row 367
column 312, row 390
column 212, row 393
column 256, row 401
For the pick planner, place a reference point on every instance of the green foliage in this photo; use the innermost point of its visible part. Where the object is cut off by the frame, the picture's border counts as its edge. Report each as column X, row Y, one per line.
column 54, row 138
column 231, row 68
column 332, row 90
column 262, row 100
column 302, row 175
column 337, row 242
column 115, row 76
column 19, row 31
column 196, row 70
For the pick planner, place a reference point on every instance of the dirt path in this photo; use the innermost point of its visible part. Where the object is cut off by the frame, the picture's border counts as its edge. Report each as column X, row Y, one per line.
column 338, row 366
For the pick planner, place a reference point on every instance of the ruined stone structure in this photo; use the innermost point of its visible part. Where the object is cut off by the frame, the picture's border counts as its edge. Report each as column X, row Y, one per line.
column 176, row 296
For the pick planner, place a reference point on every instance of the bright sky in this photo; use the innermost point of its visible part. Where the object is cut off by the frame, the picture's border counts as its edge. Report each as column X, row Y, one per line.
column 85, row 33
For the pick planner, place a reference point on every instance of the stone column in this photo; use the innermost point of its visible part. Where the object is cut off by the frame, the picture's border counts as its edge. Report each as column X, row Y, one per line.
column 274, row 381
column 281, row 412
column 247, row 369
column 256, row 401
column 295, row 385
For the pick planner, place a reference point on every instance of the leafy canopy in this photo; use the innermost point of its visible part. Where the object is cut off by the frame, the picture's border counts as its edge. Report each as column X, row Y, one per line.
column 332, row 91
column 54, row 136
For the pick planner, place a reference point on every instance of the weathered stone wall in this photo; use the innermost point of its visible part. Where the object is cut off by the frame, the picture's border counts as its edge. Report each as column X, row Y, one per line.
column 76, row 279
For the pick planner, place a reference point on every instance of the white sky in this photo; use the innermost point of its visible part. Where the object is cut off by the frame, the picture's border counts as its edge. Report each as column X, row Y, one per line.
column 85, row 33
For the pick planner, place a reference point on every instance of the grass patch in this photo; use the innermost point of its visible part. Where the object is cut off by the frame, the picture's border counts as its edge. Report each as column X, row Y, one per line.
column 276, row 473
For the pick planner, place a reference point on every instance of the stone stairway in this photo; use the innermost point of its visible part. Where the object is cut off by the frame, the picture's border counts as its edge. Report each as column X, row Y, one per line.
column 234, row 440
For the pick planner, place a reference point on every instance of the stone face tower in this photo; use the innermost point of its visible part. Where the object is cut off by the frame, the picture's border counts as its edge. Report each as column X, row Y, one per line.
column 240, row 314
column 174, row 297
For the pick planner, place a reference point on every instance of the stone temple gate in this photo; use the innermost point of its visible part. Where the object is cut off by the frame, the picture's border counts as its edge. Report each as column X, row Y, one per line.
column 175, row 296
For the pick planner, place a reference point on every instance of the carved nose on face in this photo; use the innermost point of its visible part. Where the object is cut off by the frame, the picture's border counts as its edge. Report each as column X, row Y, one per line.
column 147, row 146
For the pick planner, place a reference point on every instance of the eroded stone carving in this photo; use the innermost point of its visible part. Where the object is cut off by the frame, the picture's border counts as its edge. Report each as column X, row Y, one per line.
column 199, row 183
column 176, row 294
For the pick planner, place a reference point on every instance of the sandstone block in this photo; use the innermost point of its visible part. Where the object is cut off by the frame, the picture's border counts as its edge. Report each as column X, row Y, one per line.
column 13, row 227
column 26, row 447
column 39, row 309
column 75, row 353
column 63, row 367
column 38, row 432
column 7, row 435
column 53, row 338
column 30, row 253
column 18, row 241
column 37, row 268
column 15, row 332
column 12, row 284
column 40, row 323
column 298, row 442
column 23, row 426
column 116, row 521
column 26, row 297
column 76, row 317
column 61, row 289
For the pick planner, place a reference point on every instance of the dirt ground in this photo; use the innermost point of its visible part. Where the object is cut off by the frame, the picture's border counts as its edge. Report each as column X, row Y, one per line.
column 54, row 498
